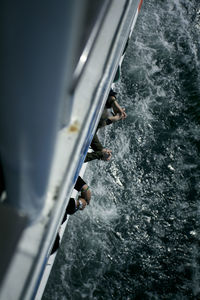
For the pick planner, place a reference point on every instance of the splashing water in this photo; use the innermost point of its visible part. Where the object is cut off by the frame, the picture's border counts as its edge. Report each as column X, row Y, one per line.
column 139, row 238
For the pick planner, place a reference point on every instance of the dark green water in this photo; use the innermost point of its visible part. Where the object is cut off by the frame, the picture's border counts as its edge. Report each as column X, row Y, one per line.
column 140, row 237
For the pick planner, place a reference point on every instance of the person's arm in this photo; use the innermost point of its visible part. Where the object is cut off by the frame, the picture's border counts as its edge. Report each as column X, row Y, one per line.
column 86, row 193
column 115, row 118
column 105, row 155
column 81, row 186
column 118, row 109
column 93, row 155
column 112, row 103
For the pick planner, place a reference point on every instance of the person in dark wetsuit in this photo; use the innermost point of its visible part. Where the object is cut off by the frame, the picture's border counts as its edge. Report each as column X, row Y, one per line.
column 83, row 199
column 74, row 205
column 99, row 152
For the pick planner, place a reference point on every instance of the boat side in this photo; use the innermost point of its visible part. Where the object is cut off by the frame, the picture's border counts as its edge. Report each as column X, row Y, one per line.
column 61, row 123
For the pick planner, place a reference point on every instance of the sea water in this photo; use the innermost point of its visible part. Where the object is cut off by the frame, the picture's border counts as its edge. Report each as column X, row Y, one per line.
column 139, row 238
